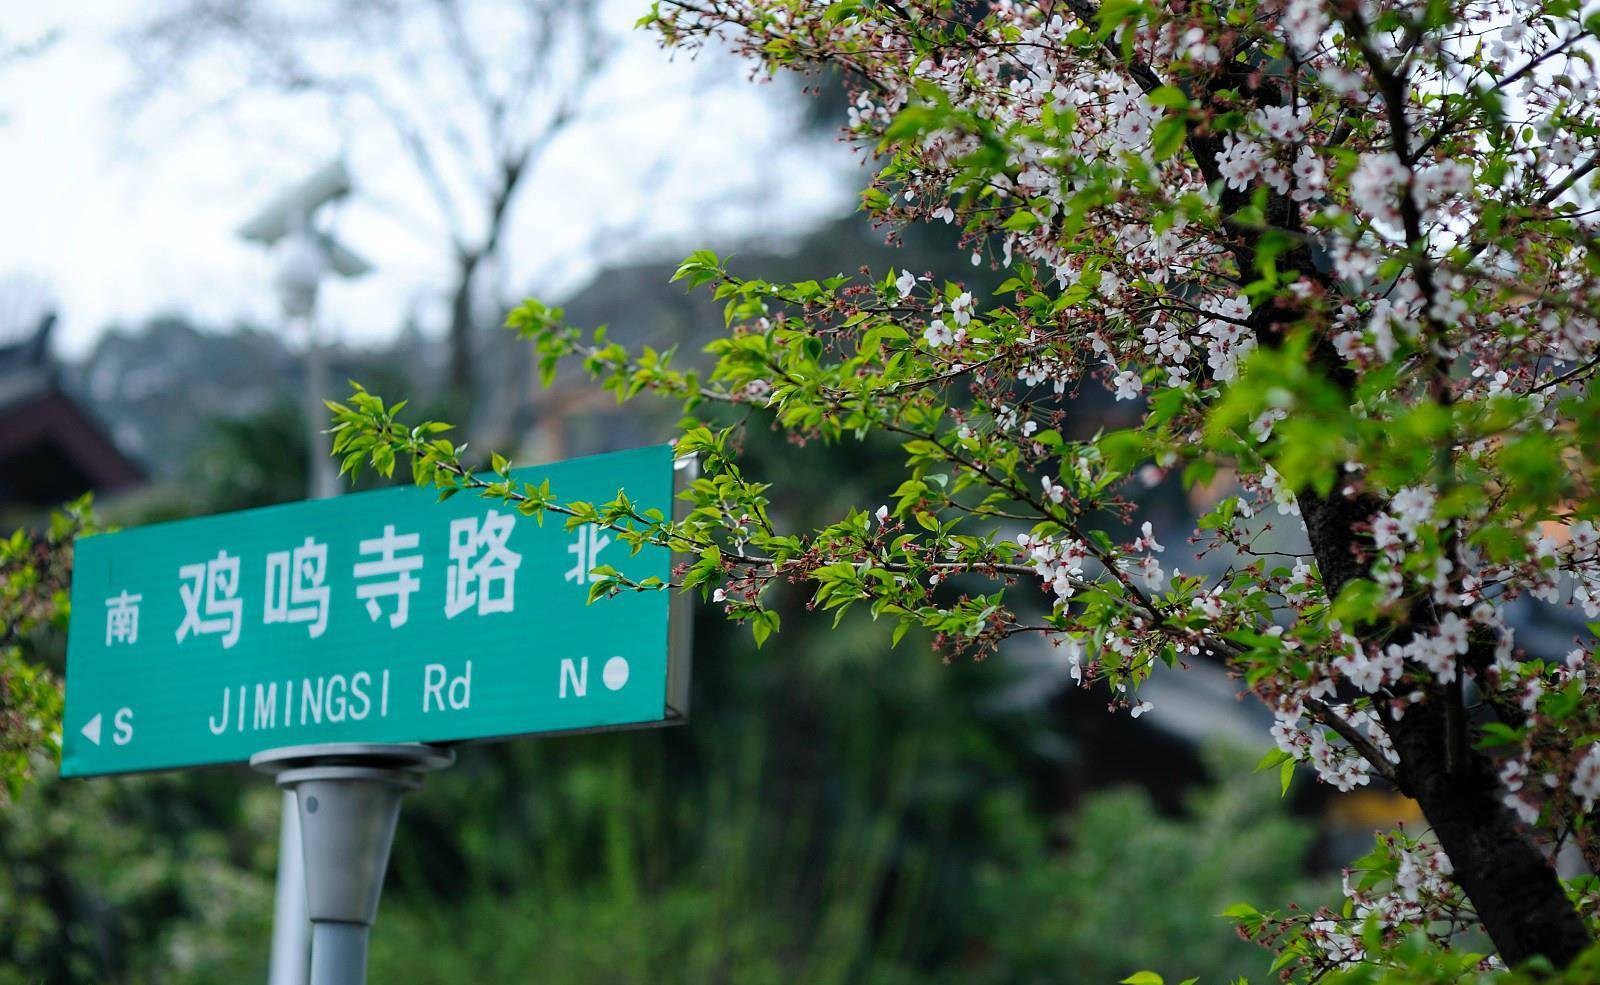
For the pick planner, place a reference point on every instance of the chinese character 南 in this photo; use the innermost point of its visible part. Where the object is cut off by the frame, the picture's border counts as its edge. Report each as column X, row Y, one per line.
column 122, row 618
column 388, row 562
column 295, row 586
column 587, row 548
column 213, row 586
column 489, row 582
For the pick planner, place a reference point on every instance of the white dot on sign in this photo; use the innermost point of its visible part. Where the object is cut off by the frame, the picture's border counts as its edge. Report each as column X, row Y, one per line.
column 615, row 673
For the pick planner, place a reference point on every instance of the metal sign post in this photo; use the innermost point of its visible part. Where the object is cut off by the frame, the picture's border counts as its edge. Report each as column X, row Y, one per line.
column 291, row 931
column 347, row 800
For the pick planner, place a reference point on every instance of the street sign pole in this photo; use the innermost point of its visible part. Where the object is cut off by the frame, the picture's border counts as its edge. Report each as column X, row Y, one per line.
column 361, row 622
column 347, row 800
column 291, row 930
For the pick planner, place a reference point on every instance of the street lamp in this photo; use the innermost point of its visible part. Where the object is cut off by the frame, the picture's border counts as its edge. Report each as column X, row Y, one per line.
column 305, row 256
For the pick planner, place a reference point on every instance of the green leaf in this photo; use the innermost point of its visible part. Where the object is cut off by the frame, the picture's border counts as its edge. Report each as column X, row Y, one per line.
column 1499, row 734
column 1358, row 601
column 1111, row 15
column 1169, row 97
column 1123, row 450
column 1143, row 978
column 1021, row 221
column 762, row 625
column 1275, row 757
column 911, row 122
column 1168, row 137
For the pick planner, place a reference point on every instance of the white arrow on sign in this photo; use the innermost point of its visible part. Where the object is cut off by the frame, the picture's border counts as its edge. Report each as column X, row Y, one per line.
column 91, row 731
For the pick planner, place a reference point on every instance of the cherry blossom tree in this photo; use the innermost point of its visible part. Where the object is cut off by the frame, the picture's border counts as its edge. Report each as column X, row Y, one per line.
column 1341, row 256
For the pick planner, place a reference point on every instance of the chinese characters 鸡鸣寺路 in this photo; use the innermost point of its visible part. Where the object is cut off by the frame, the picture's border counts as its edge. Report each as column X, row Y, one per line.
column 481, row 576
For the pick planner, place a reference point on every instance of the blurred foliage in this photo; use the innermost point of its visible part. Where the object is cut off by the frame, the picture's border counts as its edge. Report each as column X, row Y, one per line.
column 249, row 461
column 977, row 892
column 34, row 573
column 126, row 880
column 1140, row 890
column 161, row 879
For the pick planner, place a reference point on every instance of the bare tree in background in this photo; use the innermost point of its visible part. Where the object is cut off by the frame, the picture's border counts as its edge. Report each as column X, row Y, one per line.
column 474, row 93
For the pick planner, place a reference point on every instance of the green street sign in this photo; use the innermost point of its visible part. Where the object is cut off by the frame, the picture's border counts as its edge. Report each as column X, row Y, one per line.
column 377, row 617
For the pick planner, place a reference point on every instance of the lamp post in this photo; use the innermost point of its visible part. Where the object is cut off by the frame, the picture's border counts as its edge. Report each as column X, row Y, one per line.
column 305, row 257
column 301, row 265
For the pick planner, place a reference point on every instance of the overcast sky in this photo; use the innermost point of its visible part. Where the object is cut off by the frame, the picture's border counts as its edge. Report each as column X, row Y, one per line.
column 124, row 215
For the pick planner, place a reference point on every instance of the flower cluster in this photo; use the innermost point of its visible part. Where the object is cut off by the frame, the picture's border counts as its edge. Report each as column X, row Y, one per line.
column 1335, row 762
column 1059, row 564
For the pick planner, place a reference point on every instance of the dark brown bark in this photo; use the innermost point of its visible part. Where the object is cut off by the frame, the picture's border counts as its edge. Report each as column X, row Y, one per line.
column 1513, row 888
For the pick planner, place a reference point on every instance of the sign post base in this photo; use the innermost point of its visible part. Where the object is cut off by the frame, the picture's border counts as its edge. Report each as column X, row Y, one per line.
column 348, row 801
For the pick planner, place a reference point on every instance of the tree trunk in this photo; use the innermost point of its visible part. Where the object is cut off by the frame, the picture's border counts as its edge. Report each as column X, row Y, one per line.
column 468, row 261
column 461, row 325
column 1513, row 888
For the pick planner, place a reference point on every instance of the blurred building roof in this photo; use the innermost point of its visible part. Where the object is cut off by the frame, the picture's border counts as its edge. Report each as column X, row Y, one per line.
column 51, row 448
